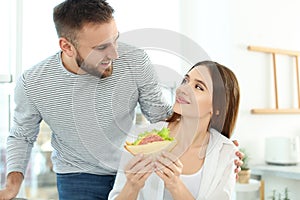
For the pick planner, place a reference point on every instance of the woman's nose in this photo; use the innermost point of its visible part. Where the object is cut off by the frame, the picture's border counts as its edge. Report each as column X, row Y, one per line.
column 184, row 89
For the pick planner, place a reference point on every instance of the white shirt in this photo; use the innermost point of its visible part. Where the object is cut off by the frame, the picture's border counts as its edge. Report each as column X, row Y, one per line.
column 189, row 182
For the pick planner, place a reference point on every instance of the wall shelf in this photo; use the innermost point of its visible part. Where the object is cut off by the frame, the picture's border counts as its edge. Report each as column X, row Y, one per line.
column 274, row 52
column 275, row 111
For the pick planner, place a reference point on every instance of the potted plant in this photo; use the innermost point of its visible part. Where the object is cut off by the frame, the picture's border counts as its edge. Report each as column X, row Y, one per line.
column 286, row 194
column 275, row 193
column 244, row 174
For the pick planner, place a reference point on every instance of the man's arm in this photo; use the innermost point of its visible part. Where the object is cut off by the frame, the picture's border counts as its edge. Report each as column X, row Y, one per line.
column 153, row 104
column 12, row 187
column 20, row 141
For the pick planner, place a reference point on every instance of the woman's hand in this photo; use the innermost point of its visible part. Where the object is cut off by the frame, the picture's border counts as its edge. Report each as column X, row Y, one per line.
column 138, row 170
column 169, row 168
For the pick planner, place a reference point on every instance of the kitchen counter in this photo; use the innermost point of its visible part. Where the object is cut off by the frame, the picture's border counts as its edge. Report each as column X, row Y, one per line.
column 289, row 172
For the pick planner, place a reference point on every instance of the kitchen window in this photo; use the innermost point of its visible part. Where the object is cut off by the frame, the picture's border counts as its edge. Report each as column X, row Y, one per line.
column 22, row 48
column 7, row 55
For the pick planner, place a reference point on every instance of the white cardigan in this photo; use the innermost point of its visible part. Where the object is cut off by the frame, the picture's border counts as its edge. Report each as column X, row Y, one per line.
column 218, row 177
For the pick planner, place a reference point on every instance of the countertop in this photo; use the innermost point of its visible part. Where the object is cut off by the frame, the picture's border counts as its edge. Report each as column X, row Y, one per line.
column 290, row 172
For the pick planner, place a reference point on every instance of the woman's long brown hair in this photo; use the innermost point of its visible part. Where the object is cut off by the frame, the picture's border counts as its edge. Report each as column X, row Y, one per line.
column 226, row 98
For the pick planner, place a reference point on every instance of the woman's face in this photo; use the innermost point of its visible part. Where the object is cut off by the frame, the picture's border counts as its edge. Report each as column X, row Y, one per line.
column 194, row 95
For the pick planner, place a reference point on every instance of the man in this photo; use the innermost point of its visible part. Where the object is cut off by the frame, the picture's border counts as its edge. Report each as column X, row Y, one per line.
column 87, row 94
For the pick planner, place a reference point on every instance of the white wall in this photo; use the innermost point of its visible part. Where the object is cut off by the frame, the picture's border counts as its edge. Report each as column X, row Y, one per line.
column 137, row 14
column 39, row 38
column 271, row 24
column 209, row 26
column 224, row 29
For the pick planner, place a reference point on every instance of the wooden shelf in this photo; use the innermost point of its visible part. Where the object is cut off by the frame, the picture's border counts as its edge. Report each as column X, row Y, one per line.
column 274, row 50
column 275, row 111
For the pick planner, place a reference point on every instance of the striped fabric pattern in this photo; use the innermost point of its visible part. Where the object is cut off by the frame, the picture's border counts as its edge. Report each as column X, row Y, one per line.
column 89, row 117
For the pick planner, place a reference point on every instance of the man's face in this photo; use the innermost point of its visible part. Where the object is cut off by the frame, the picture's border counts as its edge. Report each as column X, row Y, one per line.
column 96, row 48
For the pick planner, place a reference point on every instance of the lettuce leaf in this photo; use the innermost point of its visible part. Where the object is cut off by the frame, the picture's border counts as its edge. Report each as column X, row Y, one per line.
column 163, row 133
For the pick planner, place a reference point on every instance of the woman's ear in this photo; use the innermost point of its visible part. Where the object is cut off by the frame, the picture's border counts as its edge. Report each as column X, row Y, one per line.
column 66, row 47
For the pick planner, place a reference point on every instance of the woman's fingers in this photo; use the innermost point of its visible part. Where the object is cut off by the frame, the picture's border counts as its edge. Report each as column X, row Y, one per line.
column 167, row 159
column 140, row 167
column 141, row 175
column 134, row 161
column 164, row 169
column 162, row 175
column 171, row 162
column 138, row 164
column 173, row 158
column 138, row 170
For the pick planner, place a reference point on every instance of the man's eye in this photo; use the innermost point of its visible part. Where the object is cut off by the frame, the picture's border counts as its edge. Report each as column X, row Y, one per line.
column 100, row 48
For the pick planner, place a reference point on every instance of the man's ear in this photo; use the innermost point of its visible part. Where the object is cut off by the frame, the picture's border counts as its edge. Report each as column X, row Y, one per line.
column 66, row 47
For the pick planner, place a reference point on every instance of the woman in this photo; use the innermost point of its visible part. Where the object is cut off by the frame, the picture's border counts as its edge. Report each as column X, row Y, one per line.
column 201, row 166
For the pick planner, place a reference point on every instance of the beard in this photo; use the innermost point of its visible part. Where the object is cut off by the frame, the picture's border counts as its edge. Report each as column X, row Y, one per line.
column 92, row 69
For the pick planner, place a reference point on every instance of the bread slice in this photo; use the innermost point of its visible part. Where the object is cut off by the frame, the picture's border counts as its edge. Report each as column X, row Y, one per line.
column 150, row 148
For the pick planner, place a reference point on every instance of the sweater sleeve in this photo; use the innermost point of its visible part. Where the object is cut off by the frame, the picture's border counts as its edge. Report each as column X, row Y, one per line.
column 153, row 105
column 24, row 131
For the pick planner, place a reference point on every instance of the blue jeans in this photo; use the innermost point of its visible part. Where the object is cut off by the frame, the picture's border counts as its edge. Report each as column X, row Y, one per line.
column 76, row 186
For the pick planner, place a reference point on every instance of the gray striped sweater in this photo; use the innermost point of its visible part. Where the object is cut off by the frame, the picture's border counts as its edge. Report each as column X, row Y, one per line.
column 89, row 117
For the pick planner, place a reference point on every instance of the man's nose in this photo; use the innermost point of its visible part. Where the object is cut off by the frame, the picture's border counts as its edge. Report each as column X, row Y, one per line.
column 113, row 52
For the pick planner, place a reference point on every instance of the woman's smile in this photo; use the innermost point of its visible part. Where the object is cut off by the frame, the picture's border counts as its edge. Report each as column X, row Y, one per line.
column 182, row 100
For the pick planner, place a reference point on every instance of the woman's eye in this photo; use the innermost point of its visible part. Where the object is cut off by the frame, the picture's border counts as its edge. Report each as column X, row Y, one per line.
column 199, row 87
column 184, row 81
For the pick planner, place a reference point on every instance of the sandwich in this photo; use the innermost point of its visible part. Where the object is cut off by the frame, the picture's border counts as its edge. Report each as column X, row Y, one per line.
column 151, row 142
